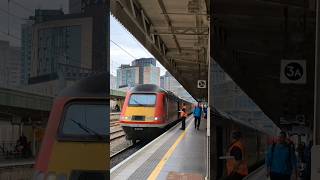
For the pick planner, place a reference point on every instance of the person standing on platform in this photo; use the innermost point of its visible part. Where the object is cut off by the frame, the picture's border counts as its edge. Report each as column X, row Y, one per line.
column 205, row 111
column 281, row 161
column 117, row 108
column 197, row 112
column 183, row 116
column 237, row 167
column 184, row 106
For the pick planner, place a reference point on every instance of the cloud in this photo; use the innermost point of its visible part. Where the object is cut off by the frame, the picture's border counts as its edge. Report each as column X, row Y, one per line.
column 129, row 47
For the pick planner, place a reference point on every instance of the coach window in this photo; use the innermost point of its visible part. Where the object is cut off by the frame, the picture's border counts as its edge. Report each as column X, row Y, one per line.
column 85, row 121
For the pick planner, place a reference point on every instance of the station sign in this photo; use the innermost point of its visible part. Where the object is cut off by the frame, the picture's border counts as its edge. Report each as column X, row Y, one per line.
column 202, row 84
column 293, row 72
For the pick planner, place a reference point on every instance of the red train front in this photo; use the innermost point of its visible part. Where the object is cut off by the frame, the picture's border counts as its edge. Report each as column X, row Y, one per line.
column 148, row 110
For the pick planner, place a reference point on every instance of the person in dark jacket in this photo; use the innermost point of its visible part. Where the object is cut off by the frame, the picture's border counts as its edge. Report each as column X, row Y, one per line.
column 281, row 161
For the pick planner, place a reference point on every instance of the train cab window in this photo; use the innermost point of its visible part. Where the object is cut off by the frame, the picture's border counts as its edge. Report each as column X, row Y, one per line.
column 142, row 100
column 85, row 121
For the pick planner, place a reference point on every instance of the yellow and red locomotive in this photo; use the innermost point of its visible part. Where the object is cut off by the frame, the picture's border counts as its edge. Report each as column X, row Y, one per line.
column 76, row 141
column 148, row 110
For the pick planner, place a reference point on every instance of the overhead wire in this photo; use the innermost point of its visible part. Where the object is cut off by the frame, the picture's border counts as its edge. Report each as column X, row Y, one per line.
column 20, row 5
column 13, row 15
column 122, row 49
column 10, row 35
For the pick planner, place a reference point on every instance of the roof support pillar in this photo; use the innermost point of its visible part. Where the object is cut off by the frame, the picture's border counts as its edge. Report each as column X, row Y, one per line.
column 315, row 152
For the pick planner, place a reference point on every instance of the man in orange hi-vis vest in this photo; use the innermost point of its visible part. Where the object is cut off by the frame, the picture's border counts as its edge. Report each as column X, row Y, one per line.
column 237, row 167
column 183, row 116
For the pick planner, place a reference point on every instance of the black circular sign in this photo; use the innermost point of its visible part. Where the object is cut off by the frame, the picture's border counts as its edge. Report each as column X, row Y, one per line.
column 201, row 83
column 293, row 71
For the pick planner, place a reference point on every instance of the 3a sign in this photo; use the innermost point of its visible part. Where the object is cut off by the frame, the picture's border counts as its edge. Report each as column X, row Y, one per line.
column 293, row 72
column 202, row 84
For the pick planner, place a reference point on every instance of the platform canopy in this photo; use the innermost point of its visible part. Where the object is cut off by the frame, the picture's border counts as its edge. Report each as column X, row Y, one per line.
column 175, row 32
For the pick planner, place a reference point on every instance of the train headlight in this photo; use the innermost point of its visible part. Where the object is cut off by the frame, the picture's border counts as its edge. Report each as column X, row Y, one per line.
column 126, row 117
column 156, row 118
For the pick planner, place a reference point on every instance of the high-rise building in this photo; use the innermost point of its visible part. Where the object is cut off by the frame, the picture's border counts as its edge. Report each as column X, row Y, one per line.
column 10, row 65
column 142, row 71
column 64, row 47
column 74, row 6
column 26, row 48
column 113, row 82
column 162, row 82
column 61, row 52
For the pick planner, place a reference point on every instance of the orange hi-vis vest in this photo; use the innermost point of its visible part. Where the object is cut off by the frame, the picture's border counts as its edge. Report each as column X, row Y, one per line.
column 183, row 114
column 243, row 166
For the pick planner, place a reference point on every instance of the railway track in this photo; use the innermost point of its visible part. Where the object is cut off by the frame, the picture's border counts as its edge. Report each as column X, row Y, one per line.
column 114, row 124
column 117, row 134
column 122, row 151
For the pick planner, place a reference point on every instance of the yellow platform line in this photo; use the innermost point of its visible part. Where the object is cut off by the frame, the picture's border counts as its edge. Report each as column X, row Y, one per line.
column 155, row 173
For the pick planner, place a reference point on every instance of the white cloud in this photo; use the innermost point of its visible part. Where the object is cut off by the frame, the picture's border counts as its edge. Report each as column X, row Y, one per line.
column 120, row 36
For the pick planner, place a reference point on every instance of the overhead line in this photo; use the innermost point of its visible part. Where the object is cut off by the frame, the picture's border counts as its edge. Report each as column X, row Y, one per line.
column 7, row 12
column 21, row 6
column 123, row 49
column 12, row 36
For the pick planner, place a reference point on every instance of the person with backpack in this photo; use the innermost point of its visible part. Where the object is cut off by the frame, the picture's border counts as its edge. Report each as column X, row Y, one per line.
column 197, row 112
column 281, row 161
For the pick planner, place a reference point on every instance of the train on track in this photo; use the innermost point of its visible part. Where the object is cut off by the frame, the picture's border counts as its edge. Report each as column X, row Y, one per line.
column 255, row 141
column 76, row 141
column 148, row 110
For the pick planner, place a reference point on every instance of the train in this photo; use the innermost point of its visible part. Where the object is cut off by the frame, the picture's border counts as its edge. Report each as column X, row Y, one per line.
column 255, row 140
column 149, row 110
column 76, row 140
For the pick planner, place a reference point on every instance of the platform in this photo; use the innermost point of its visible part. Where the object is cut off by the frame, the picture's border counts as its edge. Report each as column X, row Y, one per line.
column 5, row 163
column 176, row 154
column 259, row 173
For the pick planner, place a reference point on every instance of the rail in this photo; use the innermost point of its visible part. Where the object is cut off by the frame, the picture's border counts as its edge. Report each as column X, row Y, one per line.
column 114, row 116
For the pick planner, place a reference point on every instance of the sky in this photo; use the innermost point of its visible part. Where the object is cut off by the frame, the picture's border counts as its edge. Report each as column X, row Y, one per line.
column 129, row 49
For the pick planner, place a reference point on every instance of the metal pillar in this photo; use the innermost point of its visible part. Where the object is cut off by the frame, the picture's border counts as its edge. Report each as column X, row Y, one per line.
column 315, row 152
column 316, row 82
column 208, row 106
